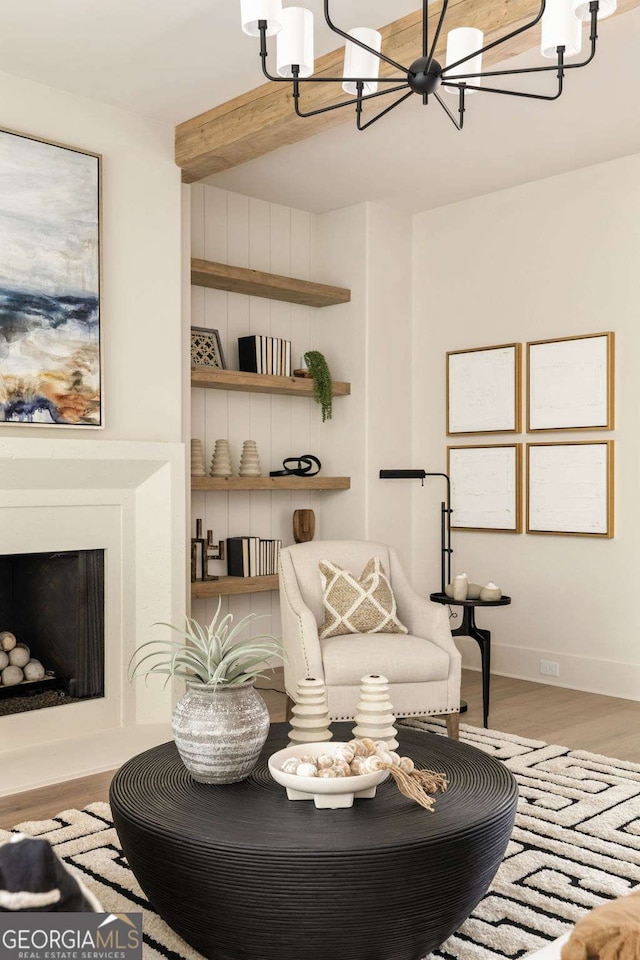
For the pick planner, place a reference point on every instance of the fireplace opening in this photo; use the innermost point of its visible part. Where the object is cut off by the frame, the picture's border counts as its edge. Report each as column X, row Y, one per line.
column 51, row 629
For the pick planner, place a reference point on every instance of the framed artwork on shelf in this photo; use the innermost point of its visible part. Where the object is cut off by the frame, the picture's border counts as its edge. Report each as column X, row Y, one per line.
column 51, row 366
column 570, row 488
column 484, row 390
column 486, row 487
column 206, row 348
column 570, row 383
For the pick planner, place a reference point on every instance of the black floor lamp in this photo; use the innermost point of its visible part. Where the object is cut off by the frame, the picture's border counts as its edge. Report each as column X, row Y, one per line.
column 445, row 516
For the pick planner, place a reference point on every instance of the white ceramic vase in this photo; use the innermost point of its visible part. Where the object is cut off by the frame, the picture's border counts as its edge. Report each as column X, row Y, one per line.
column 249, row 461
column 221, row 460
column 197, row 459
column 374, row 717
column 220, row 730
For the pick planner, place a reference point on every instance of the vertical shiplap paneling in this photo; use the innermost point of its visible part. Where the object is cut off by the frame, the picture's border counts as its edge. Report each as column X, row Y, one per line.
column 234, row 229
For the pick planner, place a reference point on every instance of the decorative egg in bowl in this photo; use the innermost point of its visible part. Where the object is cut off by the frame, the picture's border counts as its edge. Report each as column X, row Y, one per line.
column 323, row 775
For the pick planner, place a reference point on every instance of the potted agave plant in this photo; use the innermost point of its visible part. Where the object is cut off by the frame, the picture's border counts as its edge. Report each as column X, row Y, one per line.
column 221, row 723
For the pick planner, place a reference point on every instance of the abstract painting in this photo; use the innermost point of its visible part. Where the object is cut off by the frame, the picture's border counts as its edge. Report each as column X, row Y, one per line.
column 570, row 488
column 49, row 284
column 483, row 390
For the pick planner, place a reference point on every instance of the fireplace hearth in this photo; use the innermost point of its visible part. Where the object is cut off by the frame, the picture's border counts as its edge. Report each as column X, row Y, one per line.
column 51, row 628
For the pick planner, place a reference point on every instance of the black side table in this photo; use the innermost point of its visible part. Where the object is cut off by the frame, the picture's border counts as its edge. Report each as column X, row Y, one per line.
column 469, row 628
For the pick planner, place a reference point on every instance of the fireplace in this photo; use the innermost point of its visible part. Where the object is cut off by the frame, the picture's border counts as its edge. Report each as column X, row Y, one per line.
column 51, row 614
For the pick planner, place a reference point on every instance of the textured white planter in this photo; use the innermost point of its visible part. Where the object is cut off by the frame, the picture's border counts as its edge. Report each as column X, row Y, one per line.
column 374, row 713
column 220, row 730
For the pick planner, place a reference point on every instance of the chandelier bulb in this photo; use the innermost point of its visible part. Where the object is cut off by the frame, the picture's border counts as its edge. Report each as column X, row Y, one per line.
column 560, row 28
column 359, row 63
column 461, row 43
column 605, row 9
column 253, row 11
column 295, row 43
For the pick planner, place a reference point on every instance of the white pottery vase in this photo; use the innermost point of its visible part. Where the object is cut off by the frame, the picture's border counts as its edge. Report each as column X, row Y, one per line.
column 220, row 730
column 374, row 712
column 310, row 715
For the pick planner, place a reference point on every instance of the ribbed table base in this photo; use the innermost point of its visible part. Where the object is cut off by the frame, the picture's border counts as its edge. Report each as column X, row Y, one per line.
column 241, row 873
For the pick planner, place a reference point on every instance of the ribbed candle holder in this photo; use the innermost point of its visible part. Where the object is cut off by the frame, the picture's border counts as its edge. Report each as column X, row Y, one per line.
column 221, row 460
column 310, row 715
column 374, row 713
column 197, row 459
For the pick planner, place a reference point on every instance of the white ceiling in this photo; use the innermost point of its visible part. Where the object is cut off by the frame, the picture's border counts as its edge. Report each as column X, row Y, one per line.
column 172, row 59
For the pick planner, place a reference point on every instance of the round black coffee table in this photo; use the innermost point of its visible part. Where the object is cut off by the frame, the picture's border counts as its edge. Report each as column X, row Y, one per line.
column 240, row 872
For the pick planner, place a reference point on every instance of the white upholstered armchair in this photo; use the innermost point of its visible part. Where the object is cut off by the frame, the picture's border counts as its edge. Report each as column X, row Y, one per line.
column 423, row 666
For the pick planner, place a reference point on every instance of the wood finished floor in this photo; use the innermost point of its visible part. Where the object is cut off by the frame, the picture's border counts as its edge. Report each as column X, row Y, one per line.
column 583, row 721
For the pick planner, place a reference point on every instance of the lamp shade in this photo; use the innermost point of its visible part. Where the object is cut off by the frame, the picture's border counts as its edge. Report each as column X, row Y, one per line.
column 295, row 42
column 252, row 11
column 462, row 42
column 560, row 28
column 605, row 9
column 359, row 63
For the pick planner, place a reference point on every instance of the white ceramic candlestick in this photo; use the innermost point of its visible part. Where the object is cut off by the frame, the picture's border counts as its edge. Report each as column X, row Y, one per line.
column 221, row 460
column 197, row 459
column 249, row 462
column 310, row 716
column 460, row 587
column 374, row 717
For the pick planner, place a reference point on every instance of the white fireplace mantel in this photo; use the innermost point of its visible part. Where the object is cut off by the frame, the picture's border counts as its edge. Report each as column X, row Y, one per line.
column 127, row 498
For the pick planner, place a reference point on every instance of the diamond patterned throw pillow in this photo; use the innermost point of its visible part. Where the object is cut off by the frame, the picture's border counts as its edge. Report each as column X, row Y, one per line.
column 366, row 605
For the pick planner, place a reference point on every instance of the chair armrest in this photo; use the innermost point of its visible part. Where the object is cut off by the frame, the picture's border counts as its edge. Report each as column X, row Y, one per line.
column 299, row 630
column 422, row 617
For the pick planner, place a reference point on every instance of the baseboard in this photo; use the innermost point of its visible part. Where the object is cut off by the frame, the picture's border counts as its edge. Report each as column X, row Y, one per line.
column 77, row 757
column 609, row 678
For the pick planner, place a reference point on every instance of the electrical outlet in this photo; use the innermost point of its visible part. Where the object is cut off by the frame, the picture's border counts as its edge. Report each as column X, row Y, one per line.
column 549, row 668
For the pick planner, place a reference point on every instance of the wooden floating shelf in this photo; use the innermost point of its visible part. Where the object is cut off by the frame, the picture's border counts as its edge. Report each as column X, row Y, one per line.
column 222, row 276
column 232, row 586
column 270, row 483
column 214, row 379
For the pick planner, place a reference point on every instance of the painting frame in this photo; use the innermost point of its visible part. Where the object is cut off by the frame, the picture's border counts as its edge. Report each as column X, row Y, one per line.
column 609, row 502
column 215, row 343
column 607, row 368
column 99, row 293
column 516, row 505
column 509, row 420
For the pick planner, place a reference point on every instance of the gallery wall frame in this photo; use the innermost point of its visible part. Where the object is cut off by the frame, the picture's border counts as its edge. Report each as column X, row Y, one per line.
column 571, row 383
column 484, row 390
column 51, row 283
column 570, row 488
column 486, row 487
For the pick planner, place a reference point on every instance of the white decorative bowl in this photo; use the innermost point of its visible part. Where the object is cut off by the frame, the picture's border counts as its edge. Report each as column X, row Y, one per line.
column 328, row 793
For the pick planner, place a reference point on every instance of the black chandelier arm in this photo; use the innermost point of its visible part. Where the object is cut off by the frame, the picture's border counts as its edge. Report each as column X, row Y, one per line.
column 516, row 93
column 593, row 38
column 392, row 106
column 436, row 35
column 458, row 124
column 359, row 43
column 337, row 106
column 425, row 28
column 496, row 43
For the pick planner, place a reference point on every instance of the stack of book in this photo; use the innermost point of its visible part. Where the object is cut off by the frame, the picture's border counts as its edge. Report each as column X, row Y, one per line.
column 252, row 557
column 269, row 355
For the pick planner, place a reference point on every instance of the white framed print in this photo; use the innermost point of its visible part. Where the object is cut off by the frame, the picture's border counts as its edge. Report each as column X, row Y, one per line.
column 570, row 383
column 486, row 487
column 570, row 488
column 484, row 390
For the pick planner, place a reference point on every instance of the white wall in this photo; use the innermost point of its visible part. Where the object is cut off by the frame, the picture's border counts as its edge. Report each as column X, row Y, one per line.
column 140, row 250
column 548, row 259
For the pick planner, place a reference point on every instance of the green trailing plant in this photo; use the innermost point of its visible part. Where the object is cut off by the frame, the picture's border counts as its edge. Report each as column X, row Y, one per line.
column 322, row 383
column 213, row 655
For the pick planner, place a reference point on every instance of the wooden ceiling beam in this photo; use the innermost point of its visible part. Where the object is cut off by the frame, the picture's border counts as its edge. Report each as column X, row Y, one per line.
column 262, row 120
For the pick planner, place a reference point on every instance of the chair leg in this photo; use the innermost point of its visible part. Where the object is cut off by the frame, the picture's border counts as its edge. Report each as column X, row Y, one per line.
column 289, row 708
column 453, row 725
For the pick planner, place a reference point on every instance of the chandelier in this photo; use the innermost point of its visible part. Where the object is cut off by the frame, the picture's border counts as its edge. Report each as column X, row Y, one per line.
column 561, row 29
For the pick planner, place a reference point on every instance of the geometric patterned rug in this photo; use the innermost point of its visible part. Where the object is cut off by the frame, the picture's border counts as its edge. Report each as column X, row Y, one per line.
column 576, row 844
